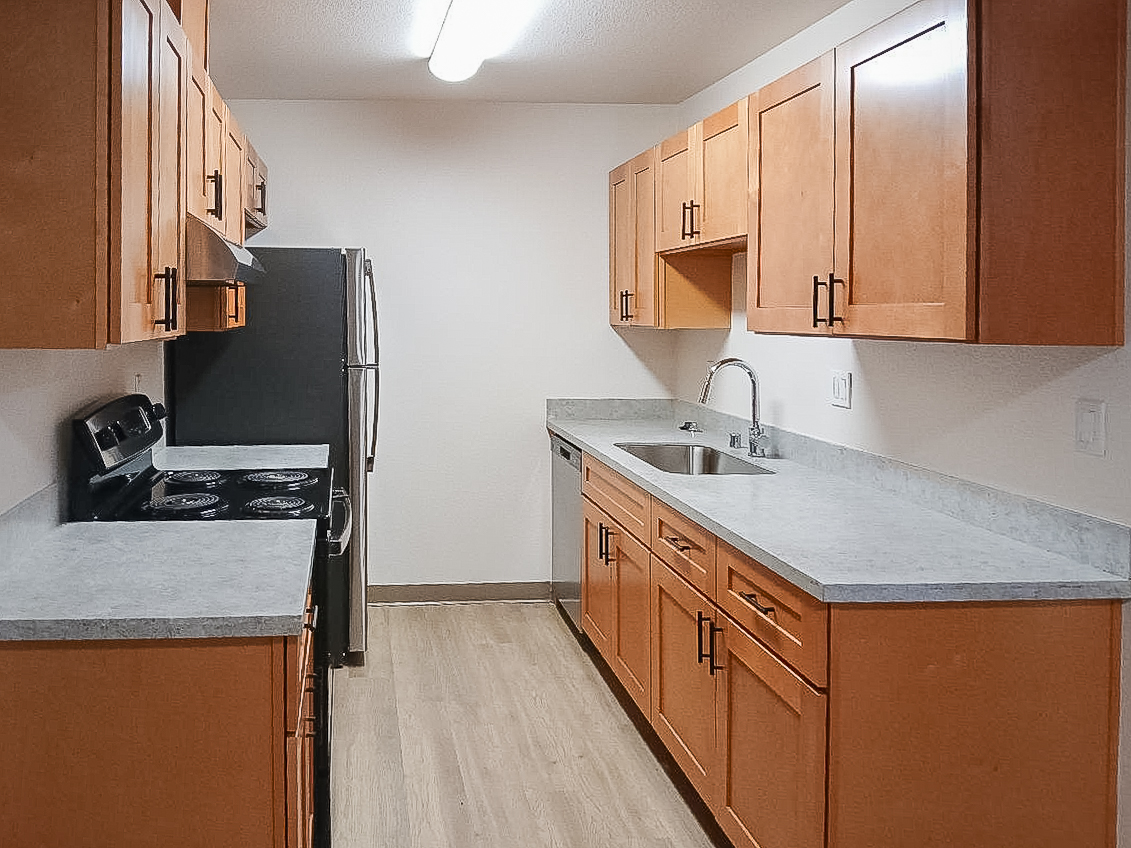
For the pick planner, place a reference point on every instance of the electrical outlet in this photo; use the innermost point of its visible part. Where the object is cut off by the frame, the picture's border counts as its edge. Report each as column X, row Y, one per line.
column 1091, row 427
column 840, row 389
column 137, row 384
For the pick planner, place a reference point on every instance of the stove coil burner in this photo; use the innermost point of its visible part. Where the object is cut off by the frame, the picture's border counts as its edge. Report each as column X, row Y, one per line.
column 201, row 479
column 283, row 480
column 279, row 506
column 188, row 505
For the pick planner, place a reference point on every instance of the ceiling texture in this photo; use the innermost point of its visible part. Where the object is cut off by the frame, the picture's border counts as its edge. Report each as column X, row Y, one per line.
column 573, row 51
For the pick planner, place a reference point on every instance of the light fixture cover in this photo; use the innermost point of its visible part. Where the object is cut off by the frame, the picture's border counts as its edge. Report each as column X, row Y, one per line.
column 474, row 30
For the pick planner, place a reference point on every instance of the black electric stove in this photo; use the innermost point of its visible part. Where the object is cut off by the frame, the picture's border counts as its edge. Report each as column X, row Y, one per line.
column 113, row 478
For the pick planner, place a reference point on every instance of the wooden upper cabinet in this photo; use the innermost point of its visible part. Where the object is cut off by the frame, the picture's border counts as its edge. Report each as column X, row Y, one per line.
column 233, row 194
column 904, row 232
column 722, row 141
column 701, row 185
column 92, row 128
column 791, row 201
column 632, row 242
column 194, row 21
column 979, row 179
column 254, row 191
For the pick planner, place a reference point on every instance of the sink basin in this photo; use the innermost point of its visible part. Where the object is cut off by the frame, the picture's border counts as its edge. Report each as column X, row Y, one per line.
column 690, row 459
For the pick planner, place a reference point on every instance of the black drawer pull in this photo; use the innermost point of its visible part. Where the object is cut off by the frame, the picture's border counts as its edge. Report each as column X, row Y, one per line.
column 752, row 599
column 217, row 180
column 677, row 543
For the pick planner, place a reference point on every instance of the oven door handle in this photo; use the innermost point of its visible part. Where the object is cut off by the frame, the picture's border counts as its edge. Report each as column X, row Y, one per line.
column 338, row 542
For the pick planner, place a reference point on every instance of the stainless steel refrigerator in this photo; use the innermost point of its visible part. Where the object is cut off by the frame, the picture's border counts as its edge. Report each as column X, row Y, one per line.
column 303, row 371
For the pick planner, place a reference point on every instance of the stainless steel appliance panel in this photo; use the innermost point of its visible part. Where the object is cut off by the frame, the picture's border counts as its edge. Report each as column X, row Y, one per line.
column 566, row 542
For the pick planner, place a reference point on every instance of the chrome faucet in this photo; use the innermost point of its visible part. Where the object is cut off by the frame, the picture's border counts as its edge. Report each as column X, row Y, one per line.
column 756, row 431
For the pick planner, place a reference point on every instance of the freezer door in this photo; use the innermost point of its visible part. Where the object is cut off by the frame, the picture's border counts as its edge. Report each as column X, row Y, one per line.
column 363, row 437
column 361, row 309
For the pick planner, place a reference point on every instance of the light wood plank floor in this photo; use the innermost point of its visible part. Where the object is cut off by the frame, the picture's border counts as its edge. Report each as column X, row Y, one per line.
column 487, row 725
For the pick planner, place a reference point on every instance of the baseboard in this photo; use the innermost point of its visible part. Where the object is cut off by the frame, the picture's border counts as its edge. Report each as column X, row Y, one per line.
column 455, row 592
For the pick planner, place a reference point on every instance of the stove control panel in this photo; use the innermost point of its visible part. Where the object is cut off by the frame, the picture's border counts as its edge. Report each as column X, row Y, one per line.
column 116, row 432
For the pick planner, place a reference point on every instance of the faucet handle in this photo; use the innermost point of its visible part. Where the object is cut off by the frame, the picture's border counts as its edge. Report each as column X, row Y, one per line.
column 736, row 440
column 757, row 435
column 691, row 427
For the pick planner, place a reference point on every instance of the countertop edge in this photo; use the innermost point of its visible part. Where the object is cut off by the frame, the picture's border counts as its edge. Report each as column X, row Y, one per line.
column 125, row 629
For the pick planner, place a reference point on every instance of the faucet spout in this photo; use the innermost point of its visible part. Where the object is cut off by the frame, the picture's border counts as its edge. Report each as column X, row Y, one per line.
column 756, row 431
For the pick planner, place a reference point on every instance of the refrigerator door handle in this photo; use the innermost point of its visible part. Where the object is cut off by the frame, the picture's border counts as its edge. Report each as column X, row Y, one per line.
column 372, row 307
column 373, row 434
column 337, row 542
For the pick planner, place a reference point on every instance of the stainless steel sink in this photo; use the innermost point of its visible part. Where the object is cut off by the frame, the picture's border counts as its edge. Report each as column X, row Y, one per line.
column 690, row 459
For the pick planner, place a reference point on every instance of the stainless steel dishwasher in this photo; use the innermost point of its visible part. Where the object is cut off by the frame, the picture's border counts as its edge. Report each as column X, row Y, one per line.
column 566, row 530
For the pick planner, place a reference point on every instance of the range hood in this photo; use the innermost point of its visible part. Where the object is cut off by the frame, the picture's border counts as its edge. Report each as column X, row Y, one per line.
column 210, row 258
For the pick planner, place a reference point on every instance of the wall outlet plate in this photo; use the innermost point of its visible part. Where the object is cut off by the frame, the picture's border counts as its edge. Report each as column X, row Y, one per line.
column 1091, row 427
column 840, row 390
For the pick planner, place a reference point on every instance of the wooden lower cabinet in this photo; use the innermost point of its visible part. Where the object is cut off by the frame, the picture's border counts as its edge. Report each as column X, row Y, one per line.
column 683, row 684
column 771, row 730
column 170, row 742
column 614, row 605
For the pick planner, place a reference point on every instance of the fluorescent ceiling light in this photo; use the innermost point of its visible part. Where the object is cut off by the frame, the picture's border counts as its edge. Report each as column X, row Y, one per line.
column 469, row 32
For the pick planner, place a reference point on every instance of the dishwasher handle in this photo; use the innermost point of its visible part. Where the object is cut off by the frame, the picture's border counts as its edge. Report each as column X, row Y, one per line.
column 562, row 449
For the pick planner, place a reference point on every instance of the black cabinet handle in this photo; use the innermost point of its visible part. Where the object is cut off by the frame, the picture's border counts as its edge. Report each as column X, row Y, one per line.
column 622, row 305
column 711, row 648
column 677, row 543
column 262, row 188
column 817, row 283
column 312, row 625
column 625, row 295
column 601, row 542
column 217, row 180
column 699, row 620
column 693, row 231
column 609, row 558
column 169, row 322
column 752, row 599
column 684, row 230
column 833, row 318
column 235, row 289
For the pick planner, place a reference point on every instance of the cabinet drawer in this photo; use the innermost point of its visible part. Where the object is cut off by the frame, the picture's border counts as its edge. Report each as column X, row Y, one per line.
column 217, row 308
column 793, row 624
column 685, row 546
column 625, row 502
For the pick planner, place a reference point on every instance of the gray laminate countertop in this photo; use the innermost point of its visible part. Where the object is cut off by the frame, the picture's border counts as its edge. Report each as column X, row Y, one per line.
column 167, row 579
column 838, row 540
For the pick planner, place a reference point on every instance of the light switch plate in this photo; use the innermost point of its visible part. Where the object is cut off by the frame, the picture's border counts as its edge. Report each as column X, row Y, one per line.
column 1091, row 427
column 840, row 390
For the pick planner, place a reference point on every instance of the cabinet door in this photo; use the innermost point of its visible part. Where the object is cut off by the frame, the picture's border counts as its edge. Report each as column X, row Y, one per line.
column 597, row 582
column 200, row 192
column 772, row 746
column 632, row 655
column 150, row 173
column 791, row 201
column 675, row 191
column 724, row 141
column 622, row 244
column 214, row 161
column 902, row 226
column 632, row 242
column 683, row 687
column 234, row 156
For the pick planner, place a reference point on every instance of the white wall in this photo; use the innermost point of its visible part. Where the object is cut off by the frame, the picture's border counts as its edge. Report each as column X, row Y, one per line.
column 487, row 226
column 40, row 390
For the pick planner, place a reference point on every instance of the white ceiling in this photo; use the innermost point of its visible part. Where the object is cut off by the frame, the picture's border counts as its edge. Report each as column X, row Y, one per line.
column 574, row 51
